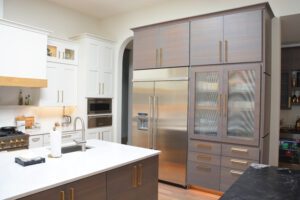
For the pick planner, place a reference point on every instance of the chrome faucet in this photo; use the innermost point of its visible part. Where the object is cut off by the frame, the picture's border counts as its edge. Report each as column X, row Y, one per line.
column 83, row 140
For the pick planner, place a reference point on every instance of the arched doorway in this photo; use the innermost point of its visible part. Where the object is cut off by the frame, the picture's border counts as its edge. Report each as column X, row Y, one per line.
column 127, row 71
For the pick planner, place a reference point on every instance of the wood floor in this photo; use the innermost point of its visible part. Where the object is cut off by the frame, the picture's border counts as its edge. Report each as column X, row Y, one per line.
column 167, row 192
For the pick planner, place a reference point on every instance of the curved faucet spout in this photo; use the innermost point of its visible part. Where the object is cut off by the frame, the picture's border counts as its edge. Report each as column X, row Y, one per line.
column 83, row 139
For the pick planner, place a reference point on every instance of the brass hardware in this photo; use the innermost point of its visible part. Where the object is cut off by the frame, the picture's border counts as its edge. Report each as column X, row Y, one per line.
column 63, row 55
column 72, row 193
column 156, row 63
column 220, row 107
column 35, row 139
column 203, row 168
column 239, row 150
column 134, row 176
column 140, row 173
column 207, row 146
column 220, row 51
column 66, row 136
column 59, row 54
column 103, row 88
column 62, row 195
column 160, row 56
column 289, row 102
column 57, row 96
column 225, row 106
column 62, row 96
column 226, row 51
column 99, row 86
column 205, row 157
column 239, row 161
column 234, row 172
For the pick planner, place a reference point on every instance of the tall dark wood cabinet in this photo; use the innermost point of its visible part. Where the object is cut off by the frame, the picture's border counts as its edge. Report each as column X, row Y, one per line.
column 229, row 87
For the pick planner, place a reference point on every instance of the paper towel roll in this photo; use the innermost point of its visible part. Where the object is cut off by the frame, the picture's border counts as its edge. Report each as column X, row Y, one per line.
column 55, row 142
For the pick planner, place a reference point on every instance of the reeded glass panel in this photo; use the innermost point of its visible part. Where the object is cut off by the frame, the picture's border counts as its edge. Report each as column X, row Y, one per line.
column 207, row 103
column 241, row 103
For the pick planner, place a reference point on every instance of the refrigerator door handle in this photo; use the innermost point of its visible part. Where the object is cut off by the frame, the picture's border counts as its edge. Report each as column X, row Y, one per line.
column 150, row 124
column 155, row 116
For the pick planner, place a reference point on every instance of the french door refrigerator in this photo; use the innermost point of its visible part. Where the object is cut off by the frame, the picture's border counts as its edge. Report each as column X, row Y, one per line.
column 159, row 118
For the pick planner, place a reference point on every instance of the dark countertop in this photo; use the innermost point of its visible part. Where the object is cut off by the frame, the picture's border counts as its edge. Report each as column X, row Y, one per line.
column 267, row 183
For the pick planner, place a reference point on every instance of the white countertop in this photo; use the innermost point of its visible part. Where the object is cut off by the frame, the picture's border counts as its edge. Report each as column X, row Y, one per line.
column 18, row 181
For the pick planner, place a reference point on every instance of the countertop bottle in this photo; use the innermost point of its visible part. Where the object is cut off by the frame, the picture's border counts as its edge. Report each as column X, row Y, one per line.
column 297, row 126
column 20, row 98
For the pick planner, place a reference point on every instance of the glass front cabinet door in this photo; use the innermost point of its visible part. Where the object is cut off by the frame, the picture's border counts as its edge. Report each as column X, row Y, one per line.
column 62, row 52
column 205, row 103
column 241, row 104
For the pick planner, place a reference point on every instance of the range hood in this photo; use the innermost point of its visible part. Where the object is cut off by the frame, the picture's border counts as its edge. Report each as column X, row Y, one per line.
column 23, row 53
column 23, row 82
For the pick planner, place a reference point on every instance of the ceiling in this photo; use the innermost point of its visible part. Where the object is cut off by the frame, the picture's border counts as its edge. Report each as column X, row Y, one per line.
column 290, row 29
column 105, row 8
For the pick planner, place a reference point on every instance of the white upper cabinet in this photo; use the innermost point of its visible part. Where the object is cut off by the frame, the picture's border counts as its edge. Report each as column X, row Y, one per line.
column 62, row 51
column 22, row 50
column 97, row 65
column 61, row 90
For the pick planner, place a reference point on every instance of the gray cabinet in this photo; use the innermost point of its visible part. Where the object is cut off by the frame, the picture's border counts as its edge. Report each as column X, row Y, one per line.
column 164, row 45
column 225, row 103
column 229, row 38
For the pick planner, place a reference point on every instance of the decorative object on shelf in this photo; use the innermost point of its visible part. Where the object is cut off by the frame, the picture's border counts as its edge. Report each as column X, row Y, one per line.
column 20, row 98
column 297, row 126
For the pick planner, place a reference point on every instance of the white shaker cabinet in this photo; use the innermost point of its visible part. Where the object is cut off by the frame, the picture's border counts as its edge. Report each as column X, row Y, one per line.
column 61, row 90
column 104, row 133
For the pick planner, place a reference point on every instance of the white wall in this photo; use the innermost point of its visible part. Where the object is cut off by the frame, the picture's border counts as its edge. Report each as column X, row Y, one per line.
column 62, row 21
column 119, row 28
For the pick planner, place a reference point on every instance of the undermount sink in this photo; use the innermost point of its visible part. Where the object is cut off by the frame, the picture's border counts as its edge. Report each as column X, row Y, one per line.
column 70, row 149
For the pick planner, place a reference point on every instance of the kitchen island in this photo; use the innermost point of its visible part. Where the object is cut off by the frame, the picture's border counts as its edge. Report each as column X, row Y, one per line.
column 267, row 183
column 107, row 165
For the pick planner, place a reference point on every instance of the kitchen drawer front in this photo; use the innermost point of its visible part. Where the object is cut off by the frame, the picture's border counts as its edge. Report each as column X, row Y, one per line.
column 205, row 147
column 228, row 177
column 249, row 153
column 36, row 141
column 236, row 163
column 204, row 158
column 204, row 175
column 70, row 137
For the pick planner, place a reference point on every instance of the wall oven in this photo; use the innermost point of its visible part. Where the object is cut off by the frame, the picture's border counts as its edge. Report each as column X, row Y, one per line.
column 99, row 112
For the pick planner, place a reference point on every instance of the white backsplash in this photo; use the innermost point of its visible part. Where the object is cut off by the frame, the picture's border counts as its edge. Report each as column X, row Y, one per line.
column 45, row 116
column 289, row 117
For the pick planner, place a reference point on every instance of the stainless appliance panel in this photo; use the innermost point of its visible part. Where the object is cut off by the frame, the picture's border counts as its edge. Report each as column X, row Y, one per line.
column 142, row 111
column 170, row 132
column 99, row 106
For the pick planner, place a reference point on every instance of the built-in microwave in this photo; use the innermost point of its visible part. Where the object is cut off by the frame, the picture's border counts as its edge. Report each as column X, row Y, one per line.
column 98, row 121
column 99, row 106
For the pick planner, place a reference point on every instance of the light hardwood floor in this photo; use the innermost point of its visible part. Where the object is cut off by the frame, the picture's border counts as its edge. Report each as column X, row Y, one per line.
column 167, row 192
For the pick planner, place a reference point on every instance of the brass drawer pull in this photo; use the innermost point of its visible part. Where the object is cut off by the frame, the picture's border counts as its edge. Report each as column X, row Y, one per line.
column 62, row 195
column 206, row 146
column 72, row 193
column 205, row 157
column 220, row 51
column 134, row 176
column 234, row 172
column 239, row 150
column 226, row 51
column 35, row 139
column 239, row 161
column 161, row 57
column 140, row 173
column 203, row 168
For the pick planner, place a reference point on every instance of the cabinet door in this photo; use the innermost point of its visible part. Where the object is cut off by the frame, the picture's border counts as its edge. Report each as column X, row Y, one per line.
column 69, row 54
column 145, row 48
column 51, row 96
column 174, row 45
column 285, row 98
column 53, row 51
column 93, row 85
column 69, row 89
column 36, row 141
column 91, row 188
column 206, row 41
column 241, row 104
column 243, row 37
column 106, row 135
column 107, row 59
column 205, row 101
column 57, row 193
column 106, row 84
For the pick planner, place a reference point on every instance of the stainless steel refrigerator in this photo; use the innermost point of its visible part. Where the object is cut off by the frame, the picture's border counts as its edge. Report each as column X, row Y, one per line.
column 159, row 118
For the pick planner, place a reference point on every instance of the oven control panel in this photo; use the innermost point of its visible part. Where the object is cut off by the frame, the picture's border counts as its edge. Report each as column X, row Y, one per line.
column 10, row 143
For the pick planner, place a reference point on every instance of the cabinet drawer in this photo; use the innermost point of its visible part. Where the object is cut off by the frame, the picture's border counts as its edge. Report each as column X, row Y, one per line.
column 240, row 152
column 228, row 177
column 236, row 163
column 36, row 141
column 46, row 139
column 204, row 158
column 204, row 175
column 205, row 147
